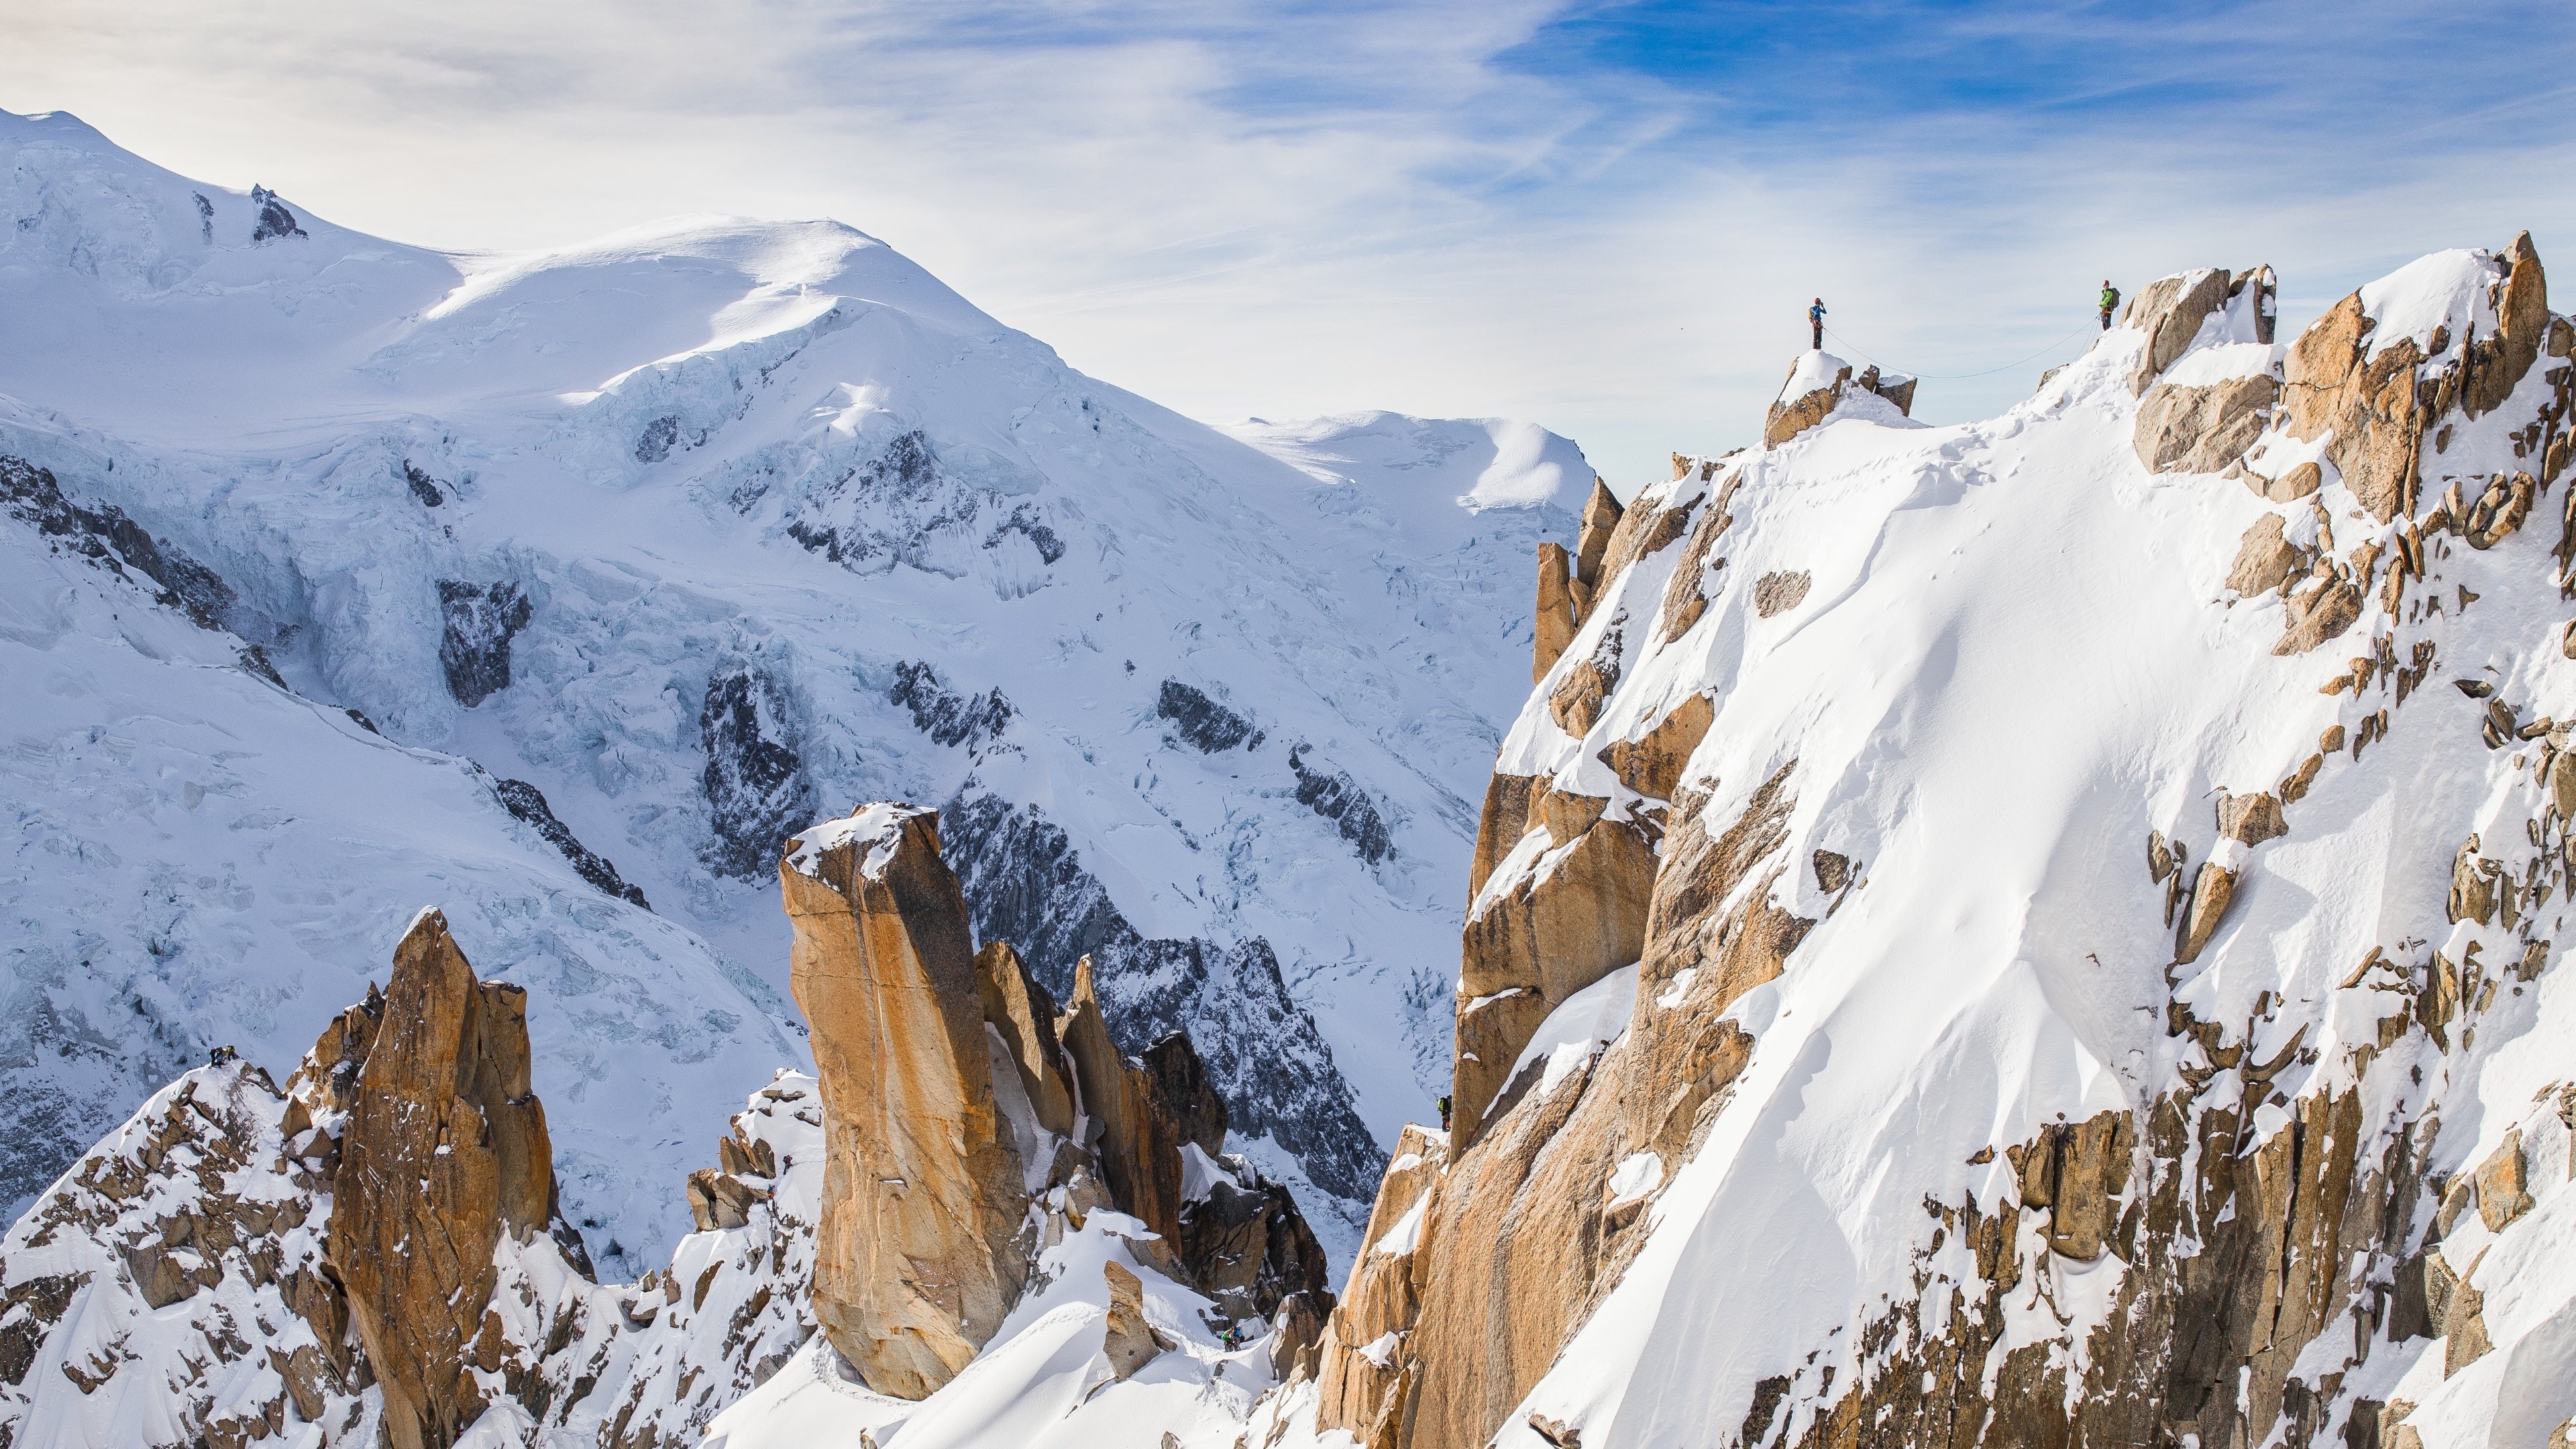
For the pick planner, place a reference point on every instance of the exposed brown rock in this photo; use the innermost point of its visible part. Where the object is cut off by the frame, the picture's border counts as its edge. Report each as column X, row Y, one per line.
column 1652, row 765
column 2317, row 614
column 1296, row 1338
column 2497, row 366
column 719, row 1200
column 2499, row 510
column 1551, row 939
column 2473, row 885
column 1506, row 818
column 1556, row 612
column 2203, row 429
column 1248, row 1248
column 445, row 1150
column 1601, row 515
column 1130, row 1340
column 2264, row 559
column 1787, row 419
column 1023, row 1014
column 1833, row 870
column 1576, row 702
column 2464, row 1328
column 1519, row 1241
column 1381, row 1295
column 2212, row 890
column 1147, row 1109
column 2291, row 486
column 1778, row 593
column 916, row 1258
column 1896, row 388
column 2076, row 1173
column 1686, row 593
column 2369, row 404
column 2170, row 310
column 2503, row 1192
column 2251, row 819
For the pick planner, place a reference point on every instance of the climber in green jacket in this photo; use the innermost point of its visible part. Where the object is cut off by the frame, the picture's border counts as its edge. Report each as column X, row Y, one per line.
column 2110, row 302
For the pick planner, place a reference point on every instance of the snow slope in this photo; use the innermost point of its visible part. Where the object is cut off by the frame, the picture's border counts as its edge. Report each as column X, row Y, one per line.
column 2090, row 839
column 705, row 530
column 2019, row 657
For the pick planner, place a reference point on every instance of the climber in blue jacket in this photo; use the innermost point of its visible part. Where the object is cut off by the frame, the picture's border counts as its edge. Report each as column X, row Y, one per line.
column 1816, row 320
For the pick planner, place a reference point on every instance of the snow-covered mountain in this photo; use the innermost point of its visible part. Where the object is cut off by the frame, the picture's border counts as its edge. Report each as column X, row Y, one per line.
column 547, row 587
column 2037, row 931
column 2040, row 931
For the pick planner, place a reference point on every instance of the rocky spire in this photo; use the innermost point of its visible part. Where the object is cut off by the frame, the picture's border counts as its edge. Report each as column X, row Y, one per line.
column 444, row 1151
column 919, row 1257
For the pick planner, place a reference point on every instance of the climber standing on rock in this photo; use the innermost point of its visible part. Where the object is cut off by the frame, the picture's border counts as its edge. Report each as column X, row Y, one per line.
column 1816, row 321
column 2110, row 302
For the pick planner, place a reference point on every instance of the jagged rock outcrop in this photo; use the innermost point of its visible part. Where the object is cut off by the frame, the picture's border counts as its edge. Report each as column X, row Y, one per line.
column 1130, row 1341
column 1556, row 613
column 338, row 1249
column 1337, row 797
column 528, row 804
column 1558, row 895
column 1025, row 884
column 274, row 221
column 109, row 539
column 1201, row 723
column 1819, row 383
column 2204, row 419
column 2169, row 310
column 377, row 1249
column 444, row 1151
column 971, row 721
column 135, row 1277
column 1158, row 1133
column 474, row 643
column 954, row 1095
column 1024, row 1015
column 754, row 780
column 2203, row 429
column 2361, row 392
column 2269, row 1228
column 919, row 1254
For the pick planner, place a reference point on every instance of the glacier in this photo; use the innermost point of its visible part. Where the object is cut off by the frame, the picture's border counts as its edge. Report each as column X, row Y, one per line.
column 544, row 587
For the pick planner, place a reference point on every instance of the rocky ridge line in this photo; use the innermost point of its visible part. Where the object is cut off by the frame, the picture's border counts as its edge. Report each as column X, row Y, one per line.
column 2272, row 1248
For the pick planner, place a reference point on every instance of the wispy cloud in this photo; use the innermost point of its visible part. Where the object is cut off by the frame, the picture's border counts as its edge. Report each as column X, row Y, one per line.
column 1603, row 217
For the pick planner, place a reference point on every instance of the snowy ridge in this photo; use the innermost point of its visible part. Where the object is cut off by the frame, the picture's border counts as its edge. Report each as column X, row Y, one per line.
column 2112, row 919
column 702, row 532
column 2016, row 666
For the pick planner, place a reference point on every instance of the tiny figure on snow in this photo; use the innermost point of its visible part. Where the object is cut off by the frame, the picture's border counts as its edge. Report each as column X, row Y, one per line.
column 1444, row 1114
column 2110, row 302
column 221, row 1056
column 1815, row 321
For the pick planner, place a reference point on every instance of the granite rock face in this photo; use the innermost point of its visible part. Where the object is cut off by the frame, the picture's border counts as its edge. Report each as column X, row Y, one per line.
column 443, row 1153
column 919, row 1254
column 955, row 1097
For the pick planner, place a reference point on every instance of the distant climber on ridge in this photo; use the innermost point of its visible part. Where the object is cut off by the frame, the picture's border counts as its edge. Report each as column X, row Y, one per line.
column 2110, row 302
column 1816, row 321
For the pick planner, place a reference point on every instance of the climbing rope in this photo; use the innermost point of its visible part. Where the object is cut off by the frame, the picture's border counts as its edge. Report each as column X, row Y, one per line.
column 1956, row 376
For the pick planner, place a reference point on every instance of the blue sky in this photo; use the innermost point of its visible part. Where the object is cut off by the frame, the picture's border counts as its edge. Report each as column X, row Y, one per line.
column 1606, row 218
